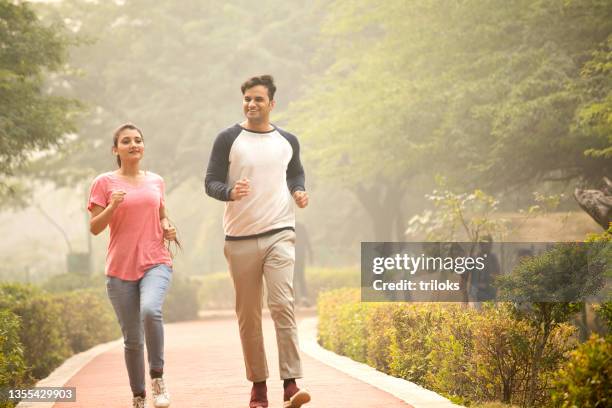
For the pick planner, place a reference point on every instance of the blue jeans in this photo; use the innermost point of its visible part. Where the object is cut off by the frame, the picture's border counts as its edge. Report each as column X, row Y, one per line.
column 138, row 306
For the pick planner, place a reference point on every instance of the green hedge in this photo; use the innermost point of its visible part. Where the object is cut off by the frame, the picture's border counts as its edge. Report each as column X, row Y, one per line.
column 585, row 379
column 54, row 326
column 182, row 302
column 465, row 354
column 87, row 319
column 13, row 370
column 216, row 291
column 41, row 333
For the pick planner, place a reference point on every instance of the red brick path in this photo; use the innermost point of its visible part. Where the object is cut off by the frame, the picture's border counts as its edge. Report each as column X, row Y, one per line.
column 204, row 368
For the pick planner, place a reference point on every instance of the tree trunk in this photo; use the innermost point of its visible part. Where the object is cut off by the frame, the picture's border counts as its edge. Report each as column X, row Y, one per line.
column 383, row 204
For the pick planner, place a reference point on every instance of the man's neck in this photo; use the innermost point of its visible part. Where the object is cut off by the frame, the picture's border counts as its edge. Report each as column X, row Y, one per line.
column 257, row 127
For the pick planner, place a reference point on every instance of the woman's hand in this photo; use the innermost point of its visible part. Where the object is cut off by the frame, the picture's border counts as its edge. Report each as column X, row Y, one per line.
column 116, row 198
column 169, row 232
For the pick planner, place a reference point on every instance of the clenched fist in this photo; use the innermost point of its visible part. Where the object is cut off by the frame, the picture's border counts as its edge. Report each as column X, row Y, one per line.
column 241, row 189
column 301, row 198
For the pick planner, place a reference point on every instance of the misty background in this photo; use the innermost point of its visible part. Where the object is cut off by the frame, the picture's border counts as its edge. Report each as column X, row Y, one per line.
column 390, row 101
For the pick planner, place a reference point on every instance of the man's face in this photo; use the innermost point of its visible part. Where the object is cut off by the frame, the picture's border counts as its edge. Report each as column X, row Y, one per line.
column 257, row 105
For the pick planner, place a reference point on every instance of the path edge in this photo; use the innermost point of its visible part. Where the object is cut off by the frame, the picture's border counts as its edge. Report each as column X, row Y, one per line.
column 407, row 391
column 69, row 368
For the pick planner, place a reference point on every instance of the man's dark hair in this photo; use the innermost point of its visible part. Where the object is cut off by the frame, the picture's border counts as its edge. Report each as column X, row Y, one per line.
column 265, row 80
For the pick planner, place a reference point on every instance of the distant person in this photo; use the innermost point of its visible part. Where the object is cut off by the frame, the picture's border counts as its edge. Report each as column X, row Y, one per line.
column 255, row 168
column 483, row 280
column 138, row 265
column 302, row 249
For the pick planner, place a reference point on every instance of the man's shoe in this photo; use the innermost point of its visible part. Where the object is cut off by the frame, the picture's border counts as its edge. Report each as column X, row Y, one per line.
column 139, row 402
column 294, row 397
column 161, row 398
column 259, row 396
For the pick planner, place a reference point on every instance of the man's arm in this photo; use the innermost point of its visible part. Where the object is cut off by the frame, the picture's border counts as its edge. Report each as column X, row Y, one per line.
column 218, row 165
column 295, row 172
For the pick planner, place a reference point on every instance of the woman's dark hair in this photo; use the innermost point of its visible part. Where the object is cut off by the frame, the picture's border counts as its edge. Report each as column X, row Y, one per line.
column 118, row 132
column 265, row 80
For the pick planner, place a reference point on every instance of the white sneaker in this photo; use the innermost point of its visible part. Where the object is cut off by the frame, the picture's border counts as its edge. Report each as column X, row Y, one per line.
column 139, row 402
column 161, row 398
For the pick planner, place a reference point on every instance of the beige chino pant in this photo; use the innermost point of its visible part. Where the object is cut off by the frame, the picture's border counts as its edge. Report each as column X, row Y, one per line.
column 272, row 258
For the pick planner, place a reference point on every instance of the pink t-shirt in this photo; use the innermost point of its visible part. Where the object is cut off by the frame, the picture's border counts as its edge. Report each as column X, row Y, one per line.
column 136, row 236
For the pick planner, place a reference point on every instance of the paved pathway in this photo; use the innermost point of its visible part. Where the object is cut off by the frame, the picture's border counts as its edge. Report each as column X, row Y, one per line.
column 204, row 368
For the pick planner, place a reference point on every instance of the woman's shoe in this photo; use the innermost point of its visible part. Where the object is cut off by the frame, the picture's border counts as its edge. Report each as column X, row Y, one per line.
column 161, row 398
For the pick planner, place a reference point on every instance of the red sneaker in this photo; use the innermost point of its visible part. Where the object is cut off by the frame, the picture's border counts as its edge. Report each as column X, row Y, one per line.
column 294, row 397
column 259, row 396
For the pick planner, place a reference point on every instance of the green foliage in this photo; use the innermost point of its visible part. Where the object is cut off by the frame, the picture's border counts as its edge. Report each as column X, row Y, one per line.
column 216, row 291
column 44, row 341
column 67, row 282
column 504, row 352
column 87, row 319
column 465, row 354
column 605, row 311
column 584, row 380
column 569, row 272
column 342, row 323
column 566, row 274
column 176, row 58
column 486, row 94
column 13, row 372
column 459, row 216
column 319, row 280
column 54, row 326
column 33, row 117
column 182, row 302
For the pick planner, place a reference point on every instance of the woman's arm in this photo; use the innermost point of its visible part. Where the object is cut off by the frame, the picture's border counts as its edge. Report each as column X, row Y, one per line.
column 169, row 230
column 101, row 216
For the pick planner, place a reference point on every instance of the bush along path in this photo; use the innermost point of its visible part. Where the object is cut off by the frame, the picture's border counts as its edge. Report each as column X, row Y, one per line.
column 204, row 368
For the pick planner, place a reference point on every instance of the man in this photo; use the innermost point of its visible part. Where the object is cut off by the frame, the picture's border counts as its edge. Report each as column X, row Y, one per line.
column 255, row 168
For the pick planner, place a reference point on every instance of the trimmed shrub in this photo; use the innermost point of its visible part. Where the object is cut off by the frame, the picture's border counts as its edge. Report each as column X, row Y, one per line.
column 465, row 354
column 44, row 341
column 182, row 302
column 66, row 282
column 13, row 371
column 87, row 319
column 319, row 280
column 584, row 380
column 216, row 291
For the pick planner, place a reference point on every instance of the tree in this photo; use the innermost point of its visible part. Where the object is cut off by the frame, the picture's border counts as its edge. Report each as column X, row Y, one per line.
column 486, row 93
column 175, row 70
column 545, row 291
column 33, row 119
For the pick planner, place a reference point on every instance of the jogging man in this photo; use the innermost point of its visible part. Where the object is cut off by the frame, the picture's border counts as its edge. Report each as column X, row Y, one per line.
column 255, row 168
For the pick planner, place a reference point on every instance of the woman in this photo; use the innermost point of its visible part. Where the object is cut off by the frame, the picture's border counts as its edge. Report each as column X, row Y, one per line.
column 138, row 264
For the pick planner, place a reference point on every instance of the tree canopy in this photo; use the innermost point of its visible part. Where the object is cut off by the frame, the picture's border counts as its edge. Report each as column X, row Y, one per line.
column 491, row 94
column 32, row 119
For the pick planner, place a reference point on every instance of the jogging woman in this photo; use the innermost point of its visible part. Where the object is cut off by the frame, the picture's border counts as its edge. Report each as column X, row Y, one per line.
column 138, row 265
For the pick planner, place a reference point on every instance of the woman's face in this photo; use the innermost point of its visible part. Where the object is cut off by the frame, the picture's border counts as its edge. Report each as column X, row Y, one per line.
column 130, row 146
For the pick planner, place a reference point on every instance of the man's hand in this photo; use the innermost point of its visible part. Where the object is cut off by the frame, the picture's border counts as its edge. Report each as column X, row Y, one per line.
column 301, row 198
column 241, row 189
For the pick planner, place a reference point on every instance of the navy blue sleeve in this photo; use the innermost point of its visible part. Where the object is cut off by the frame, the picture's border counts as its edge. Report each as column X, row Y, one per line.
column 215, row 181
column 295, row 172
